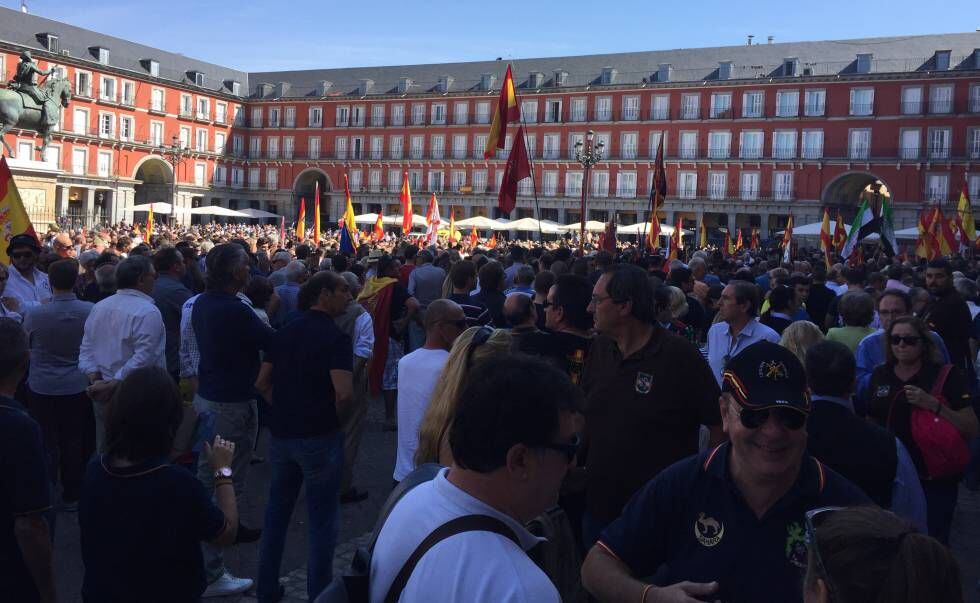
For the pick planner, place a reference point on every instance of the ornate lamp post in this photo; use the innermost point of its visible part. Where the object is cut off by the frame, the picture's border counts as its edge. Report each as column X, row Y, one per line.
column 175, row 154
column 588, row 155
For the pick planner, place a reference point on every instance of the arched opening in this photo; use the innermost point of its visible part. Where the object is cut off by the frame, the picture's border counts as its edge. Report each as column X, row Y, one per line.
column 305, row 188
column 155, row 181
column 845, row 192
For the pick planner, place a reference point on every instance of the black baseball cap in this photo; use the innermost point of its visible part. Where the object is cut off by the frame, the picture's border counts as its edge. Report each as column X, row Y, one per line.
column 23, row 240
column 767, row 375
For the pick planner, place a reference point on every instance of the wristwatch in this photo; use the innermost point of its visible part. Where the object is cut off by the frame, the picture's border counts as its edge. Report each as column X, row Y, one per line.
column 222, row 473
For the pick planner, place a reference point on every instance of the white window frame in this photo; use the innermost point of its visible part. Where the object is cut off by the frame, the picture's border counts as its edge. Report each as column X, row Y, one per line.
column 220, row 176
column 220, row 140
column 52, row 155
column 861, row 109
column 396, row 147
column 478, row 181
column 99, row 171
column 221, row 113
column 479, row 145
column 974, row 102
column 438, row 114
column 127, row 122
column 483, row 112
column 203, row 108
column 398, row 115
column 743, row 152
column 579, row 109
column 717, row 191
column 660, row 107
column 340, row 147
column 749, row 193
column 459, row 146
column 461, row 113
column 629, row 143
column 187, row 106
column 272, row 147
column 805, row 151
column 690, row 106
column 549, row 183
column 313, row 147
column 288, row 147
column 599, row 183
column 127, row 100
column 394, row 179
column 940, row 151
column 687, row 151
column 162, row 106
column 377, row 115
column 859, row 152
column 782, row 185
column 529, row 111
column 573, row 183
column 437, row 146
column 750, row 110
column 784, row 151
column 787, row 109
column 911, row 107
column 358, row 115
column 687, row 184
column 973, row 145
column 811, row 108
column 289, row 117
column 631, row 108
column 603, row 109
column 626, row 185
column 941, row 99
column 105, row 80
column 82, row 91
column 909, row 153
column 722, row 152
column 653, row 140
column 342, row 116
column 162, row 131
column 200, row 174
column 201, row 140
column 418, row 114
column 718, row 108
column 79, row 168
column 937, row 187
column 110, row 132
column 315, row 116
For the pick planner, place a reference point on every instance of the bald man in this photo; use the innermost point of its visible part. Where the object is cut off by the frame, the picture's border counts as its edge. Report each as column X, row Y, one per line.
column 417, row 375
column 521, row 316
column 63, row 246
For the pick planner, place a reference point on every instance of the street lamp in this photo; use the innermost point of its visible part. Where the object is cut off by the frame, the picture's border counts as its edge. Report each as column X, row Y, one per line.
column 175, row 154
column 588, row 155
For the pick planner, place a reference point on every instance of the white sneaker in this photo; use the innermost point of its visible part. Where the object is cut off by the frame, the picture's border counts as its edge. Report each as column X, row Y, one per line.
column 227, row 585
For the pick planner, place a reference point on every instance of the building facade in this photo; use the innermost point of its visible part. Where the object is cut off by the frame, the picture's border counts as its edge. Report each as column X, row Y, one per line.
column 751, row 133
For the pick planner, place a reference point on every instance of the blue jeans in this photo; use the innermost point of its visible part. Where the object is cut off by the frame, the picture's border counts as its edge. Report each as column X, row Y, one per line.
column 319, row 462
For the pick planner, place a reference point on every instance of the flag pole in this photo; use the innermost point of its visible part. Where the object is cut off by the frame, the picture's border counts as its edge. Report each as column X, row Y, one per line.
column 534, row 185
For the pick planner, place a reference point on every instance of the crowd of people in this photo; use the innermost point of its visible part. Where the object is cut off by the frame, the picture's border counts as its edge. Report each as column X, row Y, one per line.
column 704, row 428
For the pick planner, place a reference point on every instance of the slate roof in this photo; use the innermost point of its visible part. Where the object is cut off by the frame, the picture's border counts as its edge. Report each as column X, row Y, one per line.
column 24, row 30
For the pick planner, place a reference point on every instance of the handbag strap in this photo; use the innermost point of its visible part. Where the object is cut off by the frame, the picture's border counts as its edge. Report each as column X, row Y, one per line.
column 466, row 523
column 940, row 383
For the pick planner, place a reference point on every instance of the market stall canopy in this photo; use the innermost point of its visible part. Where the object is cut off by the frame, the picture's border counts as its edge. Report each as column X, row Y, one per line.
column 258, row 213
column 813, row 230
column 481, row 223
column 215, row 210
column 159, row 207
column 591, row 226
column 641, row 228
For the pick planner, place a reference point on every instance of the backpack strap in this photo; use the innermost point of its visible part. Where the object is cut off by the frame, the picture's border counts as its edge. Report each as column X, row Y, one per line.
column 466, row 523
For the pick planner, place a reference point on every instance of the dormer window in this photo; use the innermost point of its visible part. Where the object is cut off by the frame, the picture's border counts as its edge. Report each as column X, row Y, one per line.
column 196, row 76
column 942, row 60
column 791, row 67
column 102, row 54
column 50, row 42
column 487, row 80
column 608, row 76
column 404, row 83
column 154, row 68
column 236, row 88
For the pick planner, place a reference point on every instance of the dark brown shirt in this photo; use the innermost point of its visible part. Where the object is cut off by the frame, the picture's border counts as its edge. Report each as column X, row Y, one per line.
column 642, row 414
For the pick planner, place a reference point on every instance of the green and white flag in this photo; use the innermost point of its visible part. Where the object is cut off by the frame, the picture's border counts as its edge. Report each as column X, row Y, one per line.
column 861, row 227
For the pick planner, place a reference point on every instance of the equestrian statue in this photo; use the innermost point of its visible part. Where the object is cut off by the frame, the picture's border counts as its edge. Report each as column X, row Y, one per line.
column 27, row 106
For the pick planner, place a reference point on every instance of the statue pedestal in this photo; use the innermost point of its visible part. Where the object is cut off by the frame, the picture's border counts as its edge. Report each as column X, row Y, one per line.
column 17, row 163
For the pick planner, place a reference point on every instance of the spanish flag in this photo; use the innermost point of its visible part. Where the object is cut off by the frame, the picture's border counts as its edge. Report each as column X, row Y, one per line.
column 754, row 240
column 658, row 193
column 301, row 221
column 473, row 238
column 149, row 225
column 13, row 216
column 406, row 201
column 492, row 243
column 840, row 233
column 826, row 243
column 739, row 243
column 507, row 111
column 348, row 232
column 379, row 231
column 452, row 224
column 316, row 212
column 788, row 240
column 703, row 235
column 968, row 229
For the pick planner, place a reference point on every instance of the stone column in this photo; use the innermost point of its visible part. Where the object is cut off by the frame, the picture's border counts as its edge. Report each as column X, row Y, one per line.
column 763, row 225
column 60, row 200
column 732, row 222
column 89, row 207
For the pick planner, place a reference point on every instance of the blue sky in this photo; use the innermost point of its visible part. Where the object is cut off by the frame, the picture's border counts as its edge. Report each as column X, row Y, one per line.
column 305, row 34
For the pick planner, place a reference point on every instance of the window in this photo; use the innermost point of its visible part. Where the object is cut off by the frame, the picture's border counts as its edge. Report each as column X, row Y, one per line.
column 356, row 180
column 719, row 145
column 201, row 141
column 939, row 140
column 398, row 115
column 752, row 104
column 461, row 113
column 220, row 175
column 603, row 108
column 552, row 144
column 721, row 105
column 221, row 113
column 107, row 91
column 254, row 174
column 436, row 181
column 290, row 117
column 937, row 187
column 687, row 185
column 529, row 111
column 79, row 161
column 416, row 143
column 187, row 107
column 104, row 56
column 83, row 84
column 483, row 112
column 314, row 147
column 103, row 166
column 25, row 148
column 237, row 177
column 126, row 128
column 508, row 144
column 374, row 181
column 418, row 115
column 631, row 108
column 128, row 93
column 717, row 185
column 690, row 106
column 525, row 187
column 815, row 103
column 750, row 145
column 787, row 103
column 396, row 147
column 357, row 115
column 549, row 184
column 255, row 147
column 975, row 98
column 974, row 186
column 574, row 139
column 272, row 147
column 200, row 174
column 479, row 181
column 340, row 147
column 531, row 144
column 154, row 69
column 394, row 180
column 552, row 111
column 912, row 100
column 156, row 134
column 573, row 184
column 909, row 144
column 107, row 125
column 438, row 114
column 660, row 108
column 784, row 144
column 356, row 147
column 859, row 144
column 749, row 186
column 862, row 101
column 377, row 116
column 204, row 112
column 272, row 178
column 459, row 146
column 628, row 144
column 578, row 109
column 343, row 117
column 437, row 145
column 273, row 117
column 479, row 145
column 316, row 117
column 377, row 147
column 457, row 180
column 288, row 147
column 219, row 142
column 599, row 184
column 973, row 150
column 256, row 117
column 688, row 145
column 782, row 186
column 655, row 138
column 812, row 147
column 941, row 99
column 626, row 185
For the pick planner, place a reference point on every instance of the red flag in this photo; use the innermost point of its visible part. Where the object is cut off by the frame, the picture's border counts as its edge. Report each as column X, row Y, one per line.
column 507, row 111
column 301, row 221
column 518, row 168
column 608, row 240
column 826, row 243
column 282, row 231
column 316, row 209
column 840, row 233
column 754, row 241
column 492, row 243
column 379, row 231
column 727, row 249
column 658, row 193
column 739, row 243
column 473, row 238
column 406, row 201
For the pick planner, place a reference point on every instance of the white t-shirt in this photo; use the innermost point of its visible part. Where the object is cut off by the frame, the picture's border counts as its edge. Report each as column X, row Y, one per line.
column 474, row 567
column 417, row 376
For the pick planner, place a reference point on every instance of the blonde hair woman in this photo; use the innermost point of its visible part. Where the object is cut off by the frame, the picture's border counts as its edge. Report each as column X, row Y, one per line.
column 799, row 336
column 475, row 345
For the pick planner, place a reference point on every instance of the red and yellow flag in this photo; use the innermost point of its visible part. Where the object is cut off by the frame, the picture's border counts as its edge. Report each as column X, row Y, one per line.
column 149, row 224
column 840, row 233
column 452, row 224
column 739, row 243
column 948, row 244
column 658, row 193
column 13, row 216
column 379, row 231
column 702, row 234
column 492, row 243
column 316, row 211
column 968, row 229
column 507, row 111
column 826, row 243
column 473, row 238
column 754, row 240
column 406, row 201
column 301, row 221
column 727, row 248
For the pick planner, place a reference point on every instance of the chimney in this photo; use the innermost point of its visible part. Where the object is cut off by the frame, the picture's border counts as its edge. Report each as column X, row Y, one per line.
column 750, row 39
column 770, row 39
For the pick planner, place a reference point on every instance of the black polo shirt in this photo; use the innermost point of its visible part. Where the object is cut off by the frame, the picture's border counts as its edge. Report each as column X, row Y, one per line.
column 949, row 316
column 23, row 491
column 692, row 519
column 642, row 414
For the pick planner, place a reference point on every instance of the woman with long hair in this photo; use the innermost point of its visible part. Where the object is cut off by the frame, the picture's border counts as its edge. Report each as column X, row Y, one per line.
column 473, row 346
column 913, row 378
column 799, row 336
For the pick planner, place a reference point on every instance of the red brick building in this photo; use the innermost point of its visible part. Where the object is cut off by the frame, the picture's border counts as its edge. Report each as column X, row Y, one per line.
column 751, row 133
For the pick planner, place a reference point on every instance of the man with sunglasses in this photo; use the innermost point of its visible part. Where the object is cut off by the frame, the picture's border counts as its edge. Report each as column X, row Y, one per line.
column 418, row 372
column 727, row 524
column 26, row 286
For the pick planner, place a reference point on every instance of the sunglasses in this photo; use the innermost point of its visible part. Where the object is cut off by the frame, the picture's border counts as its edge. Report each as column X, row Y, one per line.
column 22, row 255
column 909, row 340
column 812, row 519
column 570, row 450
column 754, row 419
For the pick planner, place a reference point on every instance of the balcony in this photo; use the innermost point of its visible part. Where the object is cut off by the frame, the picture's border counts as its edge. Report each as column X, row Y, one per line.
column 859, row 152
column 861, row 109
column 975, row 103
column 909, row 153
column 752, row 113
column 628, row 153
column 577, row 116
column 187, row 113
column 128, row 101
column 461, row 120
column 438, row 154
column 631, row 114
column 273, row 123
column 418, row 120
column 377, row 154
column 481, row 119
column 814, row 110
column 690, row 113
column 397, row 120
column 750, row 153
column 719, row 152
column 340, row 154
column 396, row 154
column 603, row 115
column 416, row 154
column 687, row 153
column 342, row 122
column 725, row 113
column 551, row 154
column 911, row 108
column 377, row 121
column 943, row 107
column 939, row 153
column 660, row 114
column 781, row 152
column 459, row 153
column 84, row 91
column 357, row 123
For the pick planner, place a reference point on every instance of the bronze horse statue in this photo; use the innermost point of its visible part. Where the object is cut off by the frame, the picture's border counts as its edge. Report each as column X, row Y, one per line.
column 18, row 110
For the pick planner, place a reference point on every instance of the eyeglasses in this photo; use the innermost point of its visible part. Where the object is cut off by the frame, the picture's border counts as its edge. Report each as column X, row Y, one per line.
column 22, row 255
column 812, row 519
column 754, row 419
column 909, row 340
column 479, row 338
column 597, row 299
column 570, row 450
